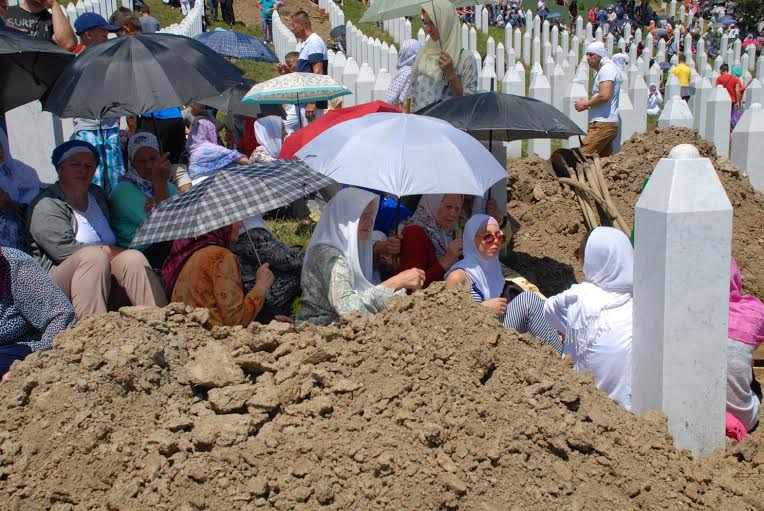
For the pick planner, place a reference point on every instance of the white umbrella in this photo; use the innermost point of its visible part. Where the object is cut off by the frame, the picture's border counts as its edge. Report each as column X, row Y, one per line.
column 404, row 155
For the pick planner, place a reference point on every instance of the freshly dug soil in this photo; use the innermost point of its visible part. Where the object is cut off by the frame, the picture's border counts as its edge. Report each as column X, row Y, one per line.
column 551, row 224
column 250, row 13
column 430, row 405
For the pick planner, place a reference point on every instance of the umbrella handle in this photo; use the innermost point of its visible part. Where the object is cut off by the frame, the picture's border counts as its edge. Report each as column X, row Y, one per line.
column 252, row 243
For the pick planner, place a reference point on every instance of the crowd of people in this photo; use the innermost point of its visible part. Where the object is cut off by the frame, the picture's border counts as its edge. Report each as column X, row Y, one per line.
column 67, row 248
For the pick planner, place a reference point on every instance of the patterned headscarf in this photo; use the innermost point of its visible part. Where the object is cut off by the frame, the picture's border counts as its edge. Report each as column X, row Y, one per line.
column 183, row 249
column 399, row 85
column 426, row 216
column 137, row 142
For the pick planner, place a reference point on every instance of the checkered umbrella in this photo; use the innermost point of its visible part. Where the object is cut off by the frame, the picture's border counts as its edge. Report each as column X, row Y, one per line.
column 237, row 45
column 231, row 195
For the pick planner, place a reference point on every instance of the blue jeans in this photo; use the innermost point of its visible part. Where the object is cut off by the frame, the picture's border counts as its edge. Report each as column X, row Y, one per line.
column 267, row 29
column 213, row 13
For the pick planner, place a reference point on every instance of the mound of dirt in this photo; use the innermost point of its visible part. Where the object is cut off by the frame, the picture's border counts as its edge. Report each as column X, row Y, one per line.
column 429, row 405
column 551, row 225
column 250, row 13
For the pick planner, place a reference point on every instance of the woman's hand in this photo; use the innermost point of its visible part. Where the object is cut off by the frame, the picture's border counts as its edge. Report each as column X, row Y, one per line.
column 148, row 205
column 453, row 253
column 392, row 246
column 446, row 64
column 412, row 278
column 112, row 251
column 161, row 170
column 264, row 278
column 497, row 305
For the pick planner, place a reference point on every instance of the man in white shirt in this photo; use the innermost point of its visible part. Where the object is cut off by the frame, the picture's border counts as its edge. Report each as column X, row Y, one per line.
column 314, row 57
column 603, row 105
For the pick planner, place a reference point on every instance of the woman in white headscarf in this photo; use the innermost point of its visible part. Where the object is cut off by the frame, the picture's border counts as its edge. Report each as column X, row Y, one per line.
column 144, row 185
column 481, row 271
column 654, row 101
column 269, row 132
column 442, row 69
column 19, row 184
column 398, row 90
column 596, row 315
column 337, row 274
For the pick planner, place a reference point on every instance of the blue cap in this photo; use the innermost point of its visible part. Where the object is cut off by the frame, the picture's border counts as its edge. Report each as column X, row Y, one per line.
column 90, row 20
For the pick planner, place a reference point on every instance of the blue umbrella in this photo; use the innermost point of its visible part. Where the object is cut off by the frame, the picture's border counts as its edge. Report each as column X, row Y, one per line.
column 237, row 45
column 726, row 20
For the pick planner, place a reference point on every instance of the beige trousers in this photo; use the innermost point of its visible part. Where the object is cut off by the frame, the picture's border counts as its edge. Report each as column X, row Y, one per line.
column 92, row 283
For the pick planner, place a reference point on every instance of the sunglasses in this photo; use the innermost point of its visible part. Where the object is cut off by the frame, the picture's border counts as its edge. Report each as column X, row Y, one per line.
column 490, row 237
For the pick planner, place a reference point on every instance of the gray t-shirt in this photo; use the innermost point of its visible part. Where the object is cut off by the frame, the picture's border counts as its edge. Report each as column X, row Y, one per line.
column 607, row 112
column 149, row 24
column 107, row 123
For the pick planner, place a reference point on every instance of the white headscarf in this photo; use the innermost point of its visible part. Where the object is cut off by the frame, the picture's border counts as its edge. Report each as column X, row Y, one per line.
column 609, row 272
column 338, row 228
column 485, row 274
column 426, row 217
column 597, row 48
column 268, row 134
column 449, row 38
column 398, row 89
column 139, row 141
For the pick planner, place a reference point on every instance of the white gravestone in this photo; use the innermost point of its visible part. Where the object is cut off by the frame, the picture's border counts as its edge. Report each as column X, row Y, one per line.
column 675, row 113
column 541, row 90
column 753, row 92
column 748, row 145
column 380, row 85
column 681, row 310
column 628, row 121
column 349, row 78
column 718, row 110
column 514, row 83
column 703, row 90
column 575, row 92
column 638, row 93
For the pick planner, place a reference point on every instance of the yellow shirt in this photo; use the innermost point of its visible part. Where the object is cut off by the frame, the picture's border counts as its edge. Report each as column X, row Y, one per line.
column 683, row 72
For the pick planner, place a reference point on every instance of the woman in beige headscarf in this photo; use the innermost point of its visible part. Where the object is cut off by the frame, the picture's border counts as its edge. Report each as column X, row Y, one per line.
column 442, row 68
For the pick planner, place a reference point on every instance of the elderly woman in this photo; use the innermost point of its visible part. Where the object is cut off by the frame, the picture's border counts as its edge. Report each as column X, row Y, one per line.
column 205, row 154
column 19, row 184
column 269, row 132
column 654, row 101
column 481, row 271
column 33, row 310
column 428, row 242
column 596, row 315
column 144, row 185
column 203, row 272
column 337, row 274
column 442, row 69
column 398, row 90
column 73, row 241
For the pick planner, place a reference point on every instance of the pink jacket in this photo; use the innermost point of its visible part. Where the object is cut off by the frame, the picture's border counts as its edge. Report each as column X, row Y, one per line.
column 746, row 312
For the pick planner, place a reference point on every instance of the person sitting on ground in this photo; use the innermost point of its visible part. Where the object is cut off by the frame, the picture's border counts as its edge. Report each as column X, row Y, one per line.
column 442, row 69
column 33, row 310
column 481, row 272
column 205, row 154
column 149, row 24
column 257, row 246
column 73, row 241
column 337, row 274
column 203, row 272
column 428, row 242
column 145, row 185
column 269, row 132
column 654, row 101
column 596, row 315
column 19, row 185
column 398, row 90
column 746, row 333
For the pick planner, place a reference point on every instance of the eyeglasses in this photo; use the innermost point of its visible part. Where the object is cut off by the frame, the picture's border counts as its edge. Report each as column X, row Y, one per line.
column 490, row 237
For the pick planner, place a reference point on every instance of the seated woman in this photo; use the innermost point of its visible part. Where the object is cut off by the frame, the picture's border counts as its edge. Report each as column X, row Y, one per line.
column 428, row 242
column 269, row 132
column 144, row 185
column 256, row 246
column 595, row 316
column 19, row 184
column 205, row 155
column 337, row 274
column 73, row 241
column 481, row 271
column 203, row 272
column 33, row 310
column 746, row 333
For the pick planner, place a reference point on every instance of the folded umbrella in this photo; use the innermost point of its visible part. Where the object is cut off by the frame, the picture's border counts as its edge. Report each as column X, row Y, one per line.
column 296, row 88
column 403, row 155
column 137, row 75
column 230, row 101
column 302, row 136
column 504, row 116
column 28, row 67
column 229, row 43
column 229, row 196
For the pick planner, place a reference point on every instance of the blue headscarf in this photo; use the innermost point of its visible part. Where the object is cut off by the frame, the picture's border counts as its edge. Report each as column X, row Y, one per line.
column 72, row 147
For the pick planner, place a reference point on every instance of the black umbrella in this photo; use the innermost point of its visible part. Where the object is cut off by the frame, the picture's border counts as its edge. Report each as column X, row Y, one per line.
column 338, row 34
column 495, row 116
column 28, row 66
column 139, row 74
column 230, row 101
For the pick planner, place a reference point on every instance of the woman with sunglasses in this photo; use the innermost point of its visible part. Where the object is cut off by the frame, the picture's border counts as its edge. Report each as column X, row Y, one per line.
column 481, row 271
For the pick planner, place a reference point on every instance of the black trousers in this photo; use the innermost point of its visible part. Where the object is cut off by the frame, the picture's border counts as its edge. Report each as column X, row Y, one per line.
column 226, row 8
column 171, row 134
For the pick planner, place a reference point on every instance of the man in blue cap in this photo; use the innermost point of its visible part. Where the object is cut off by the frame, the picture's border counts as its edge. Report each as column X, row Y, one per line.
column 92, row 29
column 103, row 134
